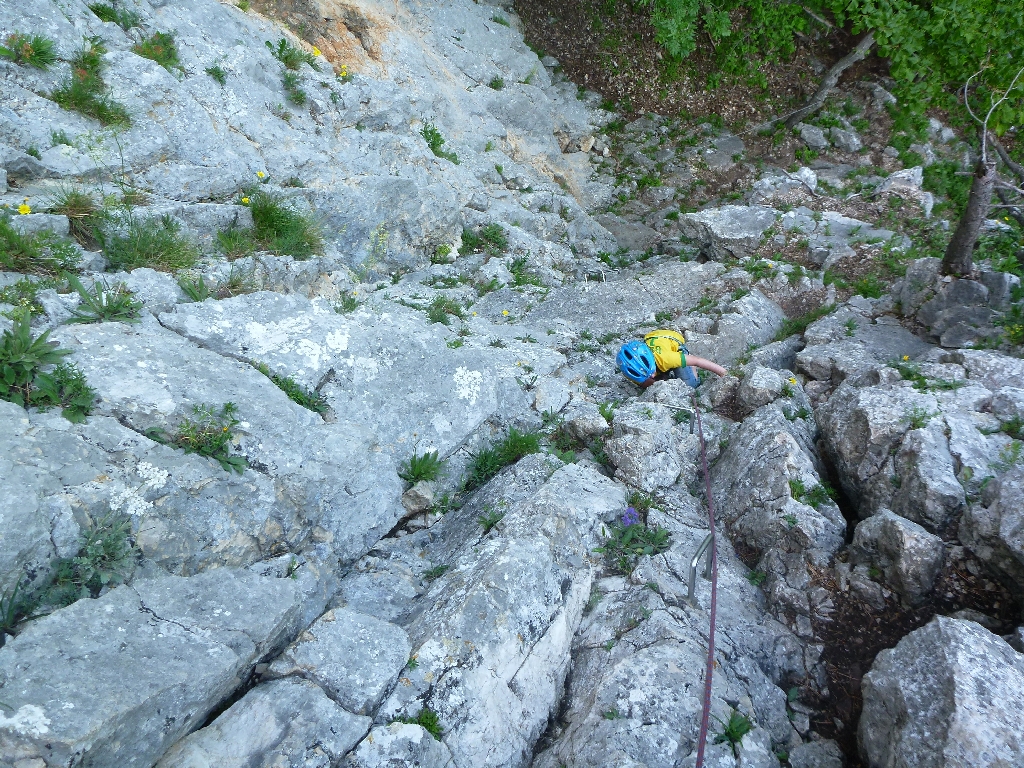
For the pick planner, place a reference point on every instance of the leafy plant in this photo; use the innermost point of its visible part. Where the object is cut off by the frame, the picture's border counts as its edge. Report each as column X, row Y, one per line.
column 734, row 730
column 918, row 417
column 152, row 242
column 309, row 399
column 282, row 230
column 629, row 539
column 490, row 239
column 125, row 19
column 489, row 520
column 104, row 559
column 161, row 48
column 292, row 90
column 85, row 92
column 292, row 57
column 757, row 577
column 607, row 409
column 794, row 325
column 435, row 141
column 42, row 253
column 22, row 359
column 442, row 309
column 426, row 718
column 425, row 466
column 194, row 287
column 207, row 434
column 437, row 571
column 65, row 388
column 29, row 50
column 218, row 74
column 103, row 303
column 348, row 303
column 521, row 276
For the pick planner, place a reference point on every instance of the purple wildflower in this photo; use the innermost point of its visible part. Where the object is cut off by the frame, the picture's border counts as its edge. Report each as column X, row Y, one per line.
column 630, row 518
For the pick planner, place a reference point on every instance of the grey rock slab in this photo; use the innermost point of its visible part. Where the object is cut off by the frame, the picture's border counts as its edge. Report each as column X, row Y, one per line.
column 847, row 141
column 753, row 319
column 281, row 724
column 729, row 231
column 354, row 657
column 994, row 529
column 33, row 223
column 115, row 681
column 813, row 136
column 909, row 557
column 158, row 291
column 780, row 355
column 929, row 492
column 630, row 235
column 399, row 744
column 949, row 695
column 817, row 754
column 150, row 377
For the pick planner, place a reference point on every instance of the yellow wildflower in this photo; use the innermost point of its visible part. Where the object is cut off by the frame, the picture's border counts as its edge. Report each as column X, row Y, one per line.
column 245, row 201
column 260, row 174
column 504, row 312
column 906, row 357
column 316, row 51
column 24, row 208
column 792, row 380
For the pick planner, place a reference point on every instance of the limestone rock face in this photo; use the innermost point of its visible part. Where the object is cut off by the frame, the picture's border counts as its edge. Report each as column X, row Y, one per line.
column 949, row 695
column 115, row 681
column 995, row 531
column 399, row 744
column 729, row 231
column 908, row 556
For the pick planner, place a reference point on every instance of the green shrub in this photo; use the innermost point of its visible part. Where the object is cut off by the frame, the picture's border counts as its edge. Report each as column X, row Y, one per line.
column 125, row 19
column 280, row 229
column 195, row 288
column 490, row 239
column 426, row 719
column 734, row 730
column 22, row 360
column 435, row 141
column 208, row 434
column 443, row 309
column 161, row 48
column 29, row 50
column 41, row 253
column 218, row 74
column 309, row 399
column 426, row 466
column 104, row 559
column 292, row 57
column 67, row 389
column 103, row 303
column 85, row 92
column 629, row 540
column 155, row 243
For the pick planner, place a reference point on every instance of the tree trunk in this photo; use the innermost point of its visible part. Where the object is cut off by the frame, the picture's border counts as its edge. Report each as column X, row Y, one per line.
column 831, row 78
column 959, row 253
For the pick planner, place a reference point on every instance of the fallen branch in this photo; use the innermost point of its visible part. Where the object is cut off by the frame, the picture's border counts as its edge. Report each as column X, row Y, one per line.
column 828, row 82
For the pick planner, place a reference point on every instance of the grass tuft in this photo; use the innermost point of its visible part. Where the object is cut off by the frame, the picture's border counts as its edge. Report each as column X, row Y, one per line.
column 85, row 92
column 309, row 399
column 29, row 50
column 43, row 253
column 155, row 243
column 426, row 466
column 161, row 48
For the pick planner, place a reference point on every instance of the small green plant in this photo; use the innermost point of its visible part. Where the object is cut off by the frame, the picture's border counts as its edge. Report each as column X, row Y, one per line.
column 611, row 714
column 65, row 388
column 15, row 607
column 497, row 19
column 22, row 360
column 421, row 466
column 153, row 242
column 60, row 137
column 292, row 89
column 435, row 141
column 161, row 48
column 104, row 559
column 426, row 718
column 1009, row 456
column 103, row 303
column 29, row 50
column 489, row 461
column 349, row 303
column 208, row 433
column 734, row 730
column 640, row 502
column 607, row 409
column 436, row 572
column 757, row 577
column 790, row 519
column 309, row 399
column 521, row 276
column 218, row 74
column 663, row 316
column 292, row 57
column 81, row 210
column 125, row 19
column 44, row 254
column 794, row 325
column 629, row 539
column 1014, row 427
column 279, row 228
column 851, row 326
column 244, row 6
column 442, row 310
column 24, row 295
column 85, row 92
column 34, row 152
column 195, row 288
column 918, row 417
column 496, row 83
column 490, row 239
column 490, row 519
column 869, row 286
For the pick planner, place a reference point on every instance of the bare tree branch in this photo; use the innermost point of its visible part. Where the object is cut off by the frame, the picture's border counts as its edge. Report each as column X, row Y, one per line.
column 1017, row 168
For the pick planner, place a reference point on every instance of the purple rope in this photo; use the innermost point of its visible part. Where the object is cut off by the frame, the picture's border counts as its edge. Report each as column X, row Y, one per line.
column 713, row 554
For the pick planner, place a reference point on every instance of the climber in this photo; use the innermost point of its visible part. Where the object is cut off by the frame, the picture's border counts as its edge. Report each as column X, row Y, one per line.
column 662, row 355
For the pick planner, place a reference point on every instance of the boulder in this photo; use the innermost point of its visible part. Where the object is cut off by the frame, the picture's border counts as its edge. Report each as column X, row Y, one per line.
column 280, row 723
column 817, row 754
column 752, row 320
column 994, row 529
column 399, row 744
column 907, row 555
column 643, row 446
column 117, row 680
column 949, row 695
column 929, row 492
column 354, row 657
column 813, row 136
column 731, row 231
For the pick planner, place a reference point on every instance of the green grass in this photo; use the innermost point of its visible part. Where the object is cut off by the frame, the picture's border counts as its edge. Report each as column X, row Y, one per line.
column 29, row 50
column 103, row 303
column 426, row 466
column 82, row 212
column 218, row 74
column 489, row 520
column 443, row 309
column 496, row 83
column 43, row 253
column 126, row 20
column 521, row 276
column 426, row 718
column 308, row 399
column 84, row 90
column 161, row 48
column 625, row 544
column 794, row 325
column 292, row 90
column 490, row 239
column 500, row 20
column 282, row 230
column 435, row 141
column 490, row 461
column 155, row 243
column 733, row 731
column 292, row 57
column 195, row 288
column 208, row 433
column 23, row 295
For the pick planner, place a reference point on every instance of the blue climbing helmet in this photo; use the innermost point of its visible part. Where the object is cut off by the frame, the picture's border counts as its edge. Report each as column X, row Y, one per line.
column 636, row 361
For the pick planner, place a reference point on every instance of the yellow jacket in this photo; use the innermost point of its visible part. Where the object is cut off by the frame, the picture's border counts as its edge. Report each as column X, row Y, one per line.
column 669, row 348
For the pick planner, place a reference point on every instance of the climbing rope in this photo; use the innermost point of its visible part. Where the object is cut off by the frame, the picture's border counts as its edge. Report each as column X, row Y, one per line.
column 702, row 739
